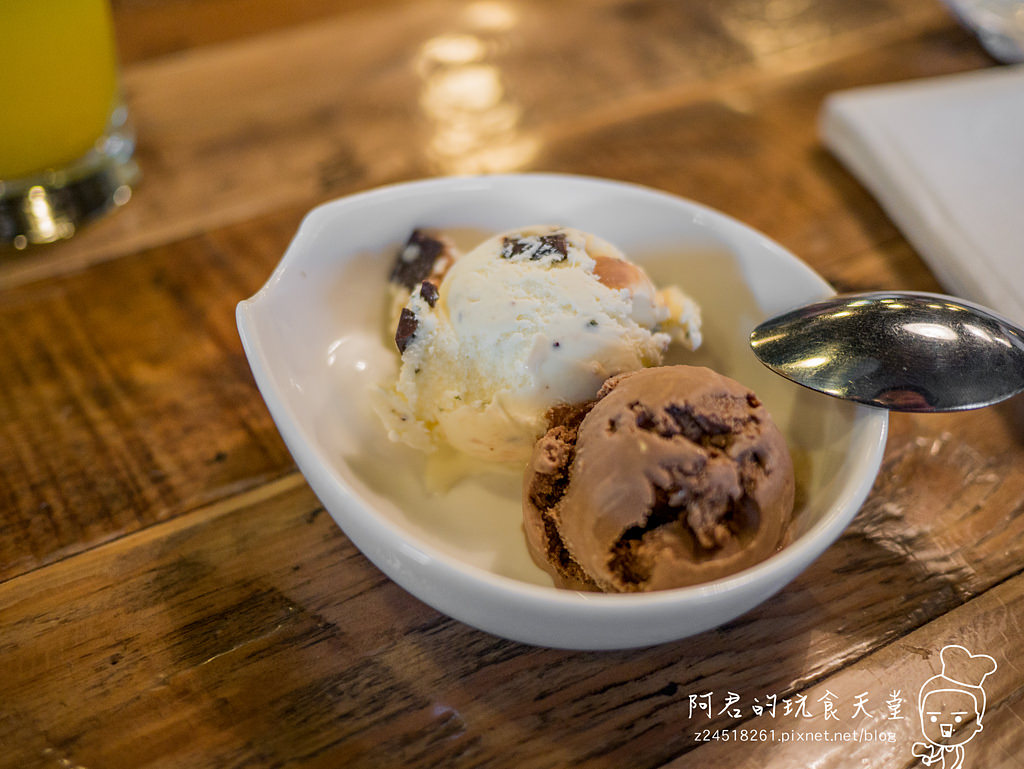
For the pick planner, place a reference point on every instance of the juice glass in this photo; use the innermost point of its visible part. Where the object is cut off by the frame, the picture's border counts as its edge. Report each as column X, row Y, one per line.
column 65, row 142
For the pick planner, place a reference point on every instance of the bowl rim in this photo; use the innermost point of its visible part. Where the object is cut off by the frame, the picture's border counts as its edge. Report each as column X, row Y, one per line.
column 327, row 483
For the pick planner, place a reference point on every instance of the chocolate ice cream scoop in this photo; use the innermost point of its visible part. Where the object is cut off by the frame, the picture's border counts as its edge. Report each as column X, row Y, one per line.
column 673, row 476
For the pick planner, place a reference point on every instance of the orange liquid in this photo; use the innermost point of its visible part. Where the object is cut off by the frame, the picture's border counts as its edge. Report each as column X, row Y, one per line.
column 58, row 82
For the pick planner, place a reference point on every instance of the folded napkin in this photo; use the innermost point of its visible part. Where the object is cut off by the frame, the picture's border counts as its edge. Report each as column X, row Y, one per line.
column 945, row 158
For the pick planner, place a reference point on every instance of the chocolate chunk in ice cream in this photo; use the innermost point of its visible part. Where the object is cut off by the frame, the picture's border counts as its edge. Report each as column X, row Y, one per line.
column 407, row 325
column 424, row 255
column 536, row 247
column 673, row 476
column 429, row 293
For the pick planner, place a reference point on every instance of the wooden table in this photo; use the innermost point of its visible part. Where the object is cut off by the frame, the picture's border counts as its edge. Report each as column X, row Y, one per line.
column 171, row 592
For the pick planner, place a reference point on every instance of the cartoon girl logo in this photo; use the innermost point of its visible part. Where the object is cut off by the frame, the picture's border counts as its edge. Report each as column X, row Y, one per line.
column 952, row 704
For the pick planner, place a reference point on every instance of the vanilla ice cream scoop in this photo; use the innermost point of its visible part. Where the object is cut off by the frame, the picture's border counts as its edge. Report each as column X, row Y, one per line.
column 528, row 319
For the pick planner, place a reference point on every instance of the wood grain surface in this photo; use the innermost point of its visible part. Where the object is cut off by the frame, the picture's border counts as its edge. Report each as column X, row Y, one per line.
column 173, row 594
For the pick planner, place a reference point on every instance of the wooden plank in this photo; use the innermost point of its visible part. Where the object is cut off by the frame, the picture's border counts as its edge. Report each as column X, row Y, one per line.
column 233, row 131
column 750, row 147
column 991, row 624
column 147, row 29
column 252, row 632
column 126, row 397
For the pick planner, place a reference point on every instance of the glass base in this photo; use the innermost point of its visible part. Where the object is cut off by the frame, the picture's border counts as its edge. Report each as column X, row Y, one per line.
column 54, row 204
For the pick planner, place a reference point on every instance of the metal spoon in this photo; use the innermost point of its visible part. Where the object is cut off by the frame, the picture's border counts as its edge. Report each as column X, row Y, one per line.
column 904, row 351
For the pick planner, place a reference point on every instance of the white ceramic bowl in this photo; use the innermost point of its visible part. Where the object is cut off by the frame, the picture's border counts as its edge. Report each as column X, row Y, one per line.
column 315, row 339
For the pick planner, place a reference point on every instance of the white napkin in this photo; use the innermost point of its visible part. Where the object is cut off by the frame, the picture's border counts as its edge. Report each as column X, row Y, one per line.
column 945, row 158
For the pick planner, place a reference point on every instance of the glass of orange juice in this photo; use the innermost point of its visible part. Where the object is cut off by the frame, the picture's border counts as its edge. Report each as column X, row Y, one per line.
column 66, row 144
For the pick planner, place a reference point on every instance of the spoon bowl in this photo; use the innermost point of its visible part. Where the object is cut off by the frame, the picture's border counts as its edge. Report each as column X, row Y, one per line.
column 903, row 351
